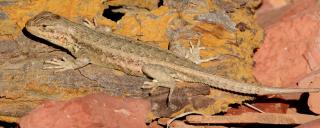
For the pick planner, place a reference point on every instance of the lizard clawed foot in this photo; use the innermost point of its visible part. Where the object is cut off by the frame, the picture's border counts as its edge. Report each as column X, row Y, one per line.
column 150, row 85
column 60, row 64
column 155, row 84
column 194, row 54
column 93, row 25
column 90, row 24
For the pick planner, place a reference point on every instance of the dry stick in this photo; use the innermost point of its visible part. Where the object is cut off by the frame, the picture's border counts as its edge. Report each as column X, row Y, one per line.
column 260, row 118
column 253, row 107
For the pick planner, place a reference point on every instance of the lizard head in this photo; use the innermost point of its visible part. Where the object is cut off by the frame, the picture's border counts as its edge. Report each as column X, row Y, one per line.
column 53, row 28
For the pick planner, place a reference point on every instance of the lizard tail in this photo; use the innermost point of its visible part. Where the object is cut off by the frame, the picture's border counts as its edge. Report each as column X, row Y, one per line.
column 275, row 90
column 244, row 88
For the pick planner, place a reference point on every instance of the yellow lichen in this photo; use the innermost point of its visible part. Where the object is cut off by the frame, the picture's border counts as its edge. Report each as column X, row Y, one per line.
column 150, row 4
column 8, row 119
column 21, row 11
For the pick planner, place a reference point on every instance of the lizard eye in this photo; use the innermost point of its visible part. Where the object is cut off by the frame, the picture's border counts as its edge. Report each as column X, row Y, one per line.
column 44, row 26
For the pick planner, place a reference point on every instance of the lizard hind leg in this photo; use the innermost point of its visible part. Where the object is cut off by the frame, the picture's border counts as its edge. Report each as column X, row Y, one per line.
column 194, row 54
column 162, row 77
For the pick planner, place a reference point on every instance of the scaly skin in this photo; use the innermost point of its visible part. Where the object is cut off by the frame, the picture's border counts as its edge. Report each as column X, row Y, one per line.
column 135, row 57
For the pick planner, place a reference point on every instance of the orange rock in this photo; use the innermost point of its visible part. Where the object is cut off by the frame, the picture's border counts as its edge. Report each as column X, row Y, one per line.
column 97, row 110
column 290, row 47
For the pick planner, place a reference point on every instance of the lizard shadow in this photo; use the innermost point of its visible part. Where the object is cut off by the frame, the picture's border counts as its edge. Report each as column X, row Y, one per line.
column 48, row 43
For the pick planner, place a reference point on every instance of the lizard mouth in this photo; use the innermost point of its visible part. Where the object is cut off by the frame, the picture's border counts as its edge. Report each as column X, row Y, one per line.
column 59, row 39
column 53, row 37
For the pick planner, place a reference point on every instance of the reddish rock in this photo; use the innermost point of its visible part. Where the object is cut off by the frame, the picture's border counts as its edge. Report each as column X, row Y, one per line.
column 312, row 80
column 311, row 124
column 291, row 47
column 265, row 107
column 155, row 124
column 93, row 111
column 270, row 11
column 270, row 5
column 280, row 60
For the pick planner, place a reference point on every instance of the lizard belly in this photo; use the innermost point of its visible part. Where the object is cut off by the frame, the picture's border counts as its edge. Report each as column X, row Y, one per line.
column 128, row 65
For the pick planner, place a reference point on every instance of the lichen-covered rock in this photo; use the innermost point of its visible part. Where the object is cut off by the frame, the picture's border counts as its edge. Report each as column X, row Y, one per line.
column 224, row 27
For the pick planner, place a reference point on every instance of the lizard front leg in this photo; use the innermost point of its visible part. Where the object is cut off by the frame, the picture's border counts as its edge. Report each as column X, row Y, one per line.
column 66, row 64
column 162, row 77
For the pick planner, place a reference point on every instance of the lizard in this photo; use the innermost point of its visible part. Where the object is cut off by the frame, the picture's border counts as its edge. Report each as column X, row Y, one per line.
column 133, row 57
